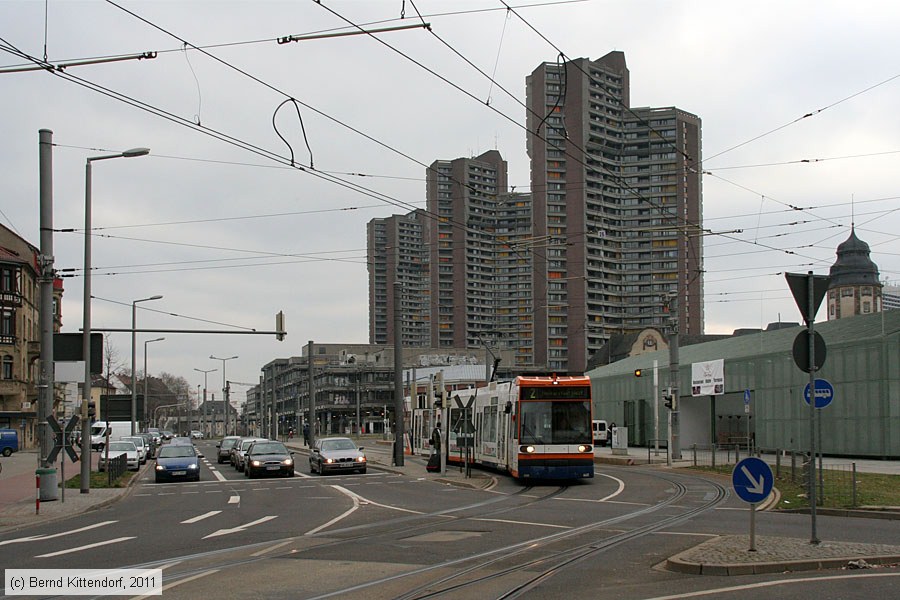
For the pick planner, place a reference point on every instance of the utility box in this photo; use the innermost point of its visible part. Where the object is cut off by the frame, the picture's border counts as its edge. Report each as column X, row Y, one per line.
column 620, row 440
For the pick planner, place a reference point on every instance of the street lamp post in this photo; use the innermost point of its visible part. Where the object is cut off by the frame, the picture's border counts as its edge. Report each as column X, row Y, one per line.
column 86, row 325
column 145, row 370
column 205, row 423
column 224, row 387
column 134, row 359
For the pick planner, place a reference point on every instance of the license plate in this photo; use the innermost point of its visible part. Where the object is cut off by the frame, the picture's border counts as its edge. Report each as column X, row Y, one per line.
column 272, row 468
column 179, row 472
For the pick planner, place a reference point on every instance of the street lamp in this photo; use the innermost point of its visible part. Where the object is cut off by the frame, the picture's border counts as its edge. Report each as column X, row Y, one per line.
column 134, row 360
column 205, row 373
column 86, row 325
column 224, row 386
column 145, row 368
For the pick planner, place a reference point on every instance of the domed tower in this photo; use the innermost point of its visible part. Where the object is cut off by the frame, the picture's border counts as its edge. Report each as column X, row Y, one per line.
column 854, row 288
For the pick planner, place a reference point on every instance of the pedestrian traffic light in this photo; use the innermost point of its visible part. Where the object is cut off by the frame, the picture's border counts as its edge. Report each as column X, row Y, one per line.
column 638, row 373
column 92, row 409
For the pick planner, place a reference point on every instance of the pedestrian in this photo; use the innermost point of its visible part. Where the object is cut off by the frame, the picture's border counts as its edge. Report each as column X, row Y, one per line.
column 436, row 438
column 306, row 434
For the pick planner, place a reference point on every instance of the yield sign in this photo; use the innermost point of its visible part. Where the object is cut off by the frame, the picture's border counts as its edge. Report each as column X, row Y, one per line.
column 752, row 480
column 799, row 284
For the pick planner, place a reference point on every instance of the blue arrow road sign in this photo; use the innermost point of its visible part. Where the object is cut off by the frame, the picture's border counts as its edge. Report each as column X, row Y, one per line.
column 752, row 480
column 824, row 393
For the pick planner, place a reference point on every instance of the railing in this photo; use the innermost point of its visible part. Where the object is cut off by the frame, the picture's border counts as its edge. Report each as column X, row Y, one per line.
column 837, row 482
column 651, row 448
column 116, row 466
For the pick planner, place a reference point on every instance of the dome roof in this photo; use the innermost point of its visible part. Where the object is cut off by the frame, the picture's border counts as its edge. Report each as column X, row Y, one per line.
column 853, row 265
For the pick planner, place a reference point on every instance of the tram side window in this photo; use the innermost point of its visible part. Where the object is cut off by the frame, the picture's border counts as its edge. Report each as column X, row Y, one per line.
column 490, row 424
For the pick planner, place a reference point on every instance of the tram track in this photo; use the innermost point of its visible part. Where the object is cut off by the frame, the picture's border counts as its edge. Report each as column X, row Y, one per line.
column 555, row 561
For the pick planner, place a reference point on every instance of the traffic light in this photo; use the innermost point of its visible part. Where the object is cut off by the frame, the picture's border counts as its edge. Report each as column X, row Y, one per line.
column 638, row 373
column 669, row 401
column 92, row 409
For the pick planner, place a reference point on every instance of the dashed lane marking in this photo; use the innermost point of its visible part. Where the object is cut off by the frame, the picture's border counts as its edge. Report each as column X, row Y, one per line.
column 85, row 547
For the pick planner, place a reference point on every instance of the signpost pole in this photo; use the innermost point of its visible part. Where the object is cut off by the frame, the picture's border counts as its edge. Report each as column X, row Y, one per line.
column 753, row 527
column 814, row 539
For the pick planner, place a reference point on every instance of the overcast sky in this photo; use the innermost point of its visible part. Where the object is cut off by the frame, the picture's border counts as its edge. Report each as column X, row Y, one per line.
column 230, row 236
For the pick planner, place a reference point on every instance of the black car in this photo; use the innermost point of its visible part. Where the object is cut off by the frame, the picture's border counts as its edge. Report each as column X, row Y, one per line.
column 267, row 457
column 223, row 448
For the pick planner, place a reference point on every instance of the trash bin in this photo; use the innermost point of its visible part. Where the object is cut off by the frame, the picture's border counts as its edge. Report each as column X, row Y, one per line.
column 48, row 483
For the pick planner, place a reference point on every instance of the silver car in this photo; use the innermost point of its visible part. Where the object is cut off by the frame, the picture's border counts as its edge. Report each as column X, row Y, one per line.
column 336, row 454
column 141, row 446
column 120, row 447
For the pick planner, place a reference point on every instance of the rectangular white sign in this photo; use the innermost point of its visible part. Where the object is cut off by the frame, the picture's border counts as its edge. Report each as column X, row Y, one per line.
column 83, row 582
column 708, row 378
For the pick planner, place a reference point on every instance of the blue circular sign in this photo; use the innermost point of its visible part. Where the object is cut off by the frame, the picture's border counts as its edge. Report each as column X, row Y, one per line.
column 752, row 480
column 824, row 393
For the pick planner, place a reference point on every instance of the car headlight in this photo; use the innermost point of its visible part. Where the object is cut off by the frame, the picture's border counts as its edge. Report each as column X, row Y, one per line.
column 192, row 466
column 288, row 461
column 361, row 459
column 160, row 468
column 329, row 460
column 255, row 463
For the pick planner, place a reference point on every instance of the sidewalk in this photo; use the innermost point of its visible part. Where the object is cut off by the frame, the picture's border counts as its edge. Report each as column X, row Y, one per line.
column 18, row 494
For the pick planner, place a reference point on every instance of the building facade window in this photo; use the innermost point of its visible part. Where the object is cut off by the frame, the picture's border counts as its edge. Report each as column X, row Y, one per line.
column 7, row 367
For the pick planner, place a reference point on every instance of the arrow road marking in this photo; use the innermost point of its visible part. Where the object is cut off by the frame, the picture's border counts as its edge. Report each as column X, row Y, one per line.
column 234, row 500
column 756, row 487
column 240, row 528
column 201, row 517
column 86, row 547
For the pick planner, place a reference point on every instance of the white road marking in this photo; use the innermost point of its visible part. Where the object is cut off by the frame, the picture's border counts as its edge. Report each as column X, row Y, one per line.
column 56, row 535
column 179, row 582
column 203, row 516
column 687, row 533
column 271, row 548
column 765, row 584
column 355, row 506
column 241, row 527
column 373, row 503
column 86, row 547
column 524, row 523
column 218, row 474
column 234, row 500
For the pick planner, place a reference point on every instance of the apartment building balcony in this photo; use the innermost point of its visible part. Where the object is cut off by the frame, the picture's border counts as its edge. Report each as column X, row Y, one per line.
column 10, row 299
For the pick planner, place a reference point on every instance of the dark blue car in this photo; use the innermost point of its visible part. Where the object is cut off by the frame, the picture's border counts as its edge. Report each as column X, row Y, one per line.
column 177, row 462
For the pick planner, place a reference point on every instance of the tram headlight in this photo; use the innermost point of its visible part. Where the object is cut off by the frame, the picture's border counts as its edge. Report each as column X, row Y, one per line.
column 529, row 449
column 584, row 448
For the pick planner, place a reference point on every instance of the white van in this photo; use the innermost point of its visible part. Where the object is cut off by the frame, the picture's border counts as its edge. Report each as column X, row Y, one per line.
column 601, row 432
column 115, row 429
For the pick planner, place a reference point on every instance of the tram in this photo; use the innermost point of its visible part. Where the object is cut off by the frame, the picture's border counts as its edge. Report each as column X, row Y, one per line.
column 533, row 427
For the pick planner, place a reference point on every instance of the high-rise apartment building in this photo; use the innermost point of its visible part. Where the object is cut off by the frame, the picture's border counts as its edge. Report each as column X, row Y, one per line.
column 616, row 195
column 480, row 274
column 396, row 253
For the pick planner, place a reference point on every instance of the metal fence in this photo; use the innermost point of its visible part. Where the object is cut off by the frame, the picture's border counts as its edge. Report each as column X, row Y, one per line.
column 836, row 485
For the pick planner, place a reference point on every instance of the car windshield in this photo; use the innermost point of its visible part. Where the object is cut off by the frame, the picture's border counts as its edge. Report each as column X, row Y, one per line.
column 338, row 445
column 135, row 440
column 268, row 448
column 176, row 452
column 226, row 444
column 122, row 446
column 246, row 444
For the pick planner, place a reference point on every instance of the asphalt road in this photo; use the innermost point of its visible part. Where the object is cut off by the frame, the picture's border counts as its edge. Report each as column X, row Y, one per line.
column 384, row 535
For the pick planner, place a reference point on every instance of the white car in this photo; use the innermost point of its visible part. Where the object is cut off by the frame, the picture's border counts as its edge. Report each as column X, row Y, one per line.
column 141, row 446
column 197, row 435
column 120, row 447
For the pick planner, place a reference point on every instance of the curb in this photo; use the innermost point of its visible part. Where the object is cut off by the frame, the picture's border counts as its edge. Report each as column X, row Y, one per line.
column 678, row 565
